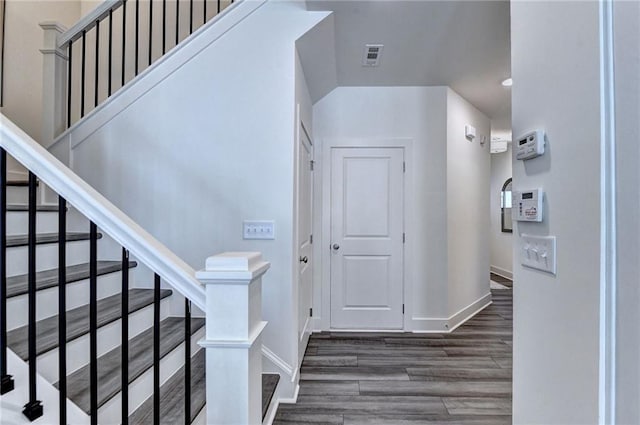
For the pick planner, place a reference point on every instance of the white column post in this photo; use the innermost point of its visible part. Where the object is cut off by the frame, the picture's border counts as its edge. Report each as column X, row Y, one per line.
column 233, row 282
column 54, row 84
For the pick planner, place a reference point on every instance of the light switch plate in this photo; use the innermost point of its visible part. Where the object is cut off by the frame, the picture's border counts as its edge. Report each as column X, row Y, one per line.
column 538, row 252
column 258, row 229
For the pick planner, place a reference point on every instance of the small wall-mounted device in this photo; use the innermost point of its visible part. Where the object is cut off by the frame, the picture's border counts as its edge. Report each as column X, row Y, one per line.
column 527, row 205
column 530, row 145
column 469, row 132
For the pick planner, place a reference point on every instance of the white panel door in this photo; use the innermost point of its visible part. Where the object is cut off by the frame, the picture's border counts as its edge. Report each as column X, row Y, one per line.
column 305, row 223
column 367, row 207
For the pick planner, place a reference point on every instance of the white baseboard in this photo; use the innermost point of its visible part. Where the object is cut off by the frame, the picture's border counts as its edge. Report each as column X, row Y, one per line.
column 273, row 409
column 449, row 324
column 282, row 367
column 501, row 272
column 469, row 311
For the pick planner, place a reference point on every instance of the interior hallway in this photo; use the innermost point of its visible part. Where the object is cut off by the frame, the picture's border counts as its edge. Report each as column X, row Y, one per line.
column 405, row 378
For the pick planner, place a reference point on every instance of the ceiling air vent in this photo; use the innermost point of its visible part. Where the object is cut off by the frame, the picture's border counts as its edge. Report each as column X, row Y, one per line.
column 372, row 53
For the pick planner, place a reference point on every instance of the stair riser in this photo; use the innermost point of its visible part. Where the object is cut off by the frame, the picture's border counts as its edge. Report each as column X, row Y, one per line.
column 109, row 337
column 18, row 222
column 19, row 194
column 47, row 299
column 46, row 256
column 142, row 388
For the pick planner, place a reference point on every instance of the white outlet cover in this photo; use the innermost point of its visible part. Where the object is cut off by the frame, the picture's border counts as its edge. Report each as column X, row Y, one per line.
column 258, row 229
column 538, row 252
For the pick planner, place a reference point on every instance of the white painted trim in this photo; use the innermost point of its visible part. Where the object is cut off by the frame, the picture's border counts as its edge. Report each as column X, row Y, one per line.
column 469, row 311
column 277, row 361
column 88, row 21
column 112, row 221
column 161, row 69
column 501, row 272
column 608, row 255
column 449, row 324
column 247, row 343
column 324, row 219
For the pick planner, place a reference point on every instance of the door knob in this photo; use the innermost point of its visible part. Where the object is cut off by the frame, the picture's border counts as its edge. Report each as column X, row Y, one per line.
column 304, row 259
column 336, row 246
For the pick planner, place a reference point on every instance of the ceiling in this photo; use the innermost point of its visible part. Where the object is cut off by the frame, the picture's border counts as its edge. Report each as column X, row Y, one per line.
column 461, row 44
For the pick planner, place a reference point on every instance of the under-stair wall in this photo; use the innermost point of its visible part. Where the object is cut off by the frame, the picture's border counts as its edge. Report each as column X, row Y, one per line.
column 203, row 140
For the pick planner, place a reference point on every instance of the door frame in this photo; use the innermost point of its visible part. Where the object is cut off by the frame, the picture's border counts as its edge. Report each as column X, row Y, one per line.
column 322, row 223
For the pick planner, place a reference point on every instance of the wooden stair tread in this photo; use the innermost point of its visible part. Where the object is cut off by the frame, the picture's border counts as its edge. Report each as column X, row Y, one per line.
column 45, row 238
column 21, row 183
column 172, row 396
column 25, row 208
column 140, row 360
column 269, row 384
column 18, row 285
column 78, row 322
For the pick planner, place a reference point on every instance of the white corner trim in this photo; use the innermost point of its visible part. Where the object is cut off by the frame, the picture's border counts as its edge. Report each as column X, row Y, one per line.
column 451, row 323
column 277, row 361
column 469, row 311
column 245, row 343
column 111, row 220
column 501, row 272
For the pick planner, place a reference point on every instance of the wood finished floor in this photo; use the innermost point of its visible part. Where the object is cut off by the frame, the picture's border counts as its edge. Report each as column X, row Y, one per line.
column 409, row 379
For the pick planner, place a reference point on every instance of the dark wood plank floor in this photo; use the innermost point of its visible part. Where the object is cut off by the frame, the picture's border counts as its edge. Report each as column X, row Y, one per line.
column 405, row 378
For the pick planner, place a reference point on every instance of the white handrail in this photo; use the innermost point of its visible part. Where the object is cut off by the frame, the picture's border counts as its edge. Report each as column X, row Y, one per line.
column 103, row 213
column 88, row 21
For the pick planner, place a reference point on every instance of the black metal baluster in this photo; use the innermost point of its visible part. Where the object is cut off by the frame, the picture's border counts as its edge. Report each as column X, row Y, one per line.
column 7, row 380
column 218, row 6
column 150, row 30
column 84, row 63
column 125, row 337
column 124, row 38
column 110, row 52
column 187, row 361
column 136, row 56
column 156, row 350
column 33, row 409
column 204, row 14
column 164, row 26
column 70, row 67
column 190, row 16
column 95, row 89
column 62, row 307
column 93, row 322
column 177, row 22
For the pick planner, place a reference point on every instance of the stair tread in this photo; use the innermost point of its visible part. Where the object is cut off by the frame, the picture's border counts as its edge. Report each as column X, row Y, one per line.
column 77, row 322
column 18, row 285
column 269, row 384
column 44, row 238
column 140, row 360
column 172, row 396
column 25, row 208
column 21, row 182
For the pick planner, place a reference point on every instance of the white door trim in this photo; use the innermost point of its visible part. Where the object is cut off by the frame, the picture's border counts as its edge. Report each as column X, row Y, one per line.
column 322, row 294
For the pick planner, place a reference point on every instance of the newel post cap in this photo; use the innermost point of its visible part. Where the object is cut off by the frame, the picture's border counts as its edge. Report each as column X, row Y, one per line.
column 233, row 266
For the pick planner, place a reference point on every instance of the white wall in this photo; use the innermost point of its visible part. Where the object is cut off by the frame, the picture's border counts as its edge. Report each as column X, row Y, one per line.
column 501, row 243
column 418, row 114
column 210, row 146
column 468, row 171
column 556, row 322
column 23, row 63
column 627, row 77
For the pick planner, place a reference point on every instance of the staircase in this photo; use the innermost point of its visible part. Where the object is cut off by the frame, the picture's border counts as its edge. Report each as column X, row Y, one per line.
column 109, row 276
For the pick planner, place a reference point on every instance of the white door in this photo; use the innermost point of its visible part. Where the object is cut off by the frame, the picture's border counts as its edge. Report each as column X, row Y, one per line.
column 367, row 207
column 305, row 185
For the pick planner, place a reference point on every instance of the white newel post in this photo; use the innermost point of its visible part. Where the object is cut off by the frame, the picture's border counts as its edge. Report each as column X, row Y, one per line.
column 54, row 84
column 234, row 325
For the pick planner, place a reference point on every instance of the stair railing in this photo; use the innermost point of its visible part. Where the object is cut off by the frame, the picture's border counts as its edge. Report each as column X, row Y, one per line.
column 118, row 40
column 228, row 332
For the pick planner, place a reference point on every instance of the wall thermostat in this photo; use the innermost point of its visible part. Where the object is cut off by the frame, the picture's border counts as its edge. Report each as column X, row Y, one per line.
column 530, row 145
column 527, row 205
